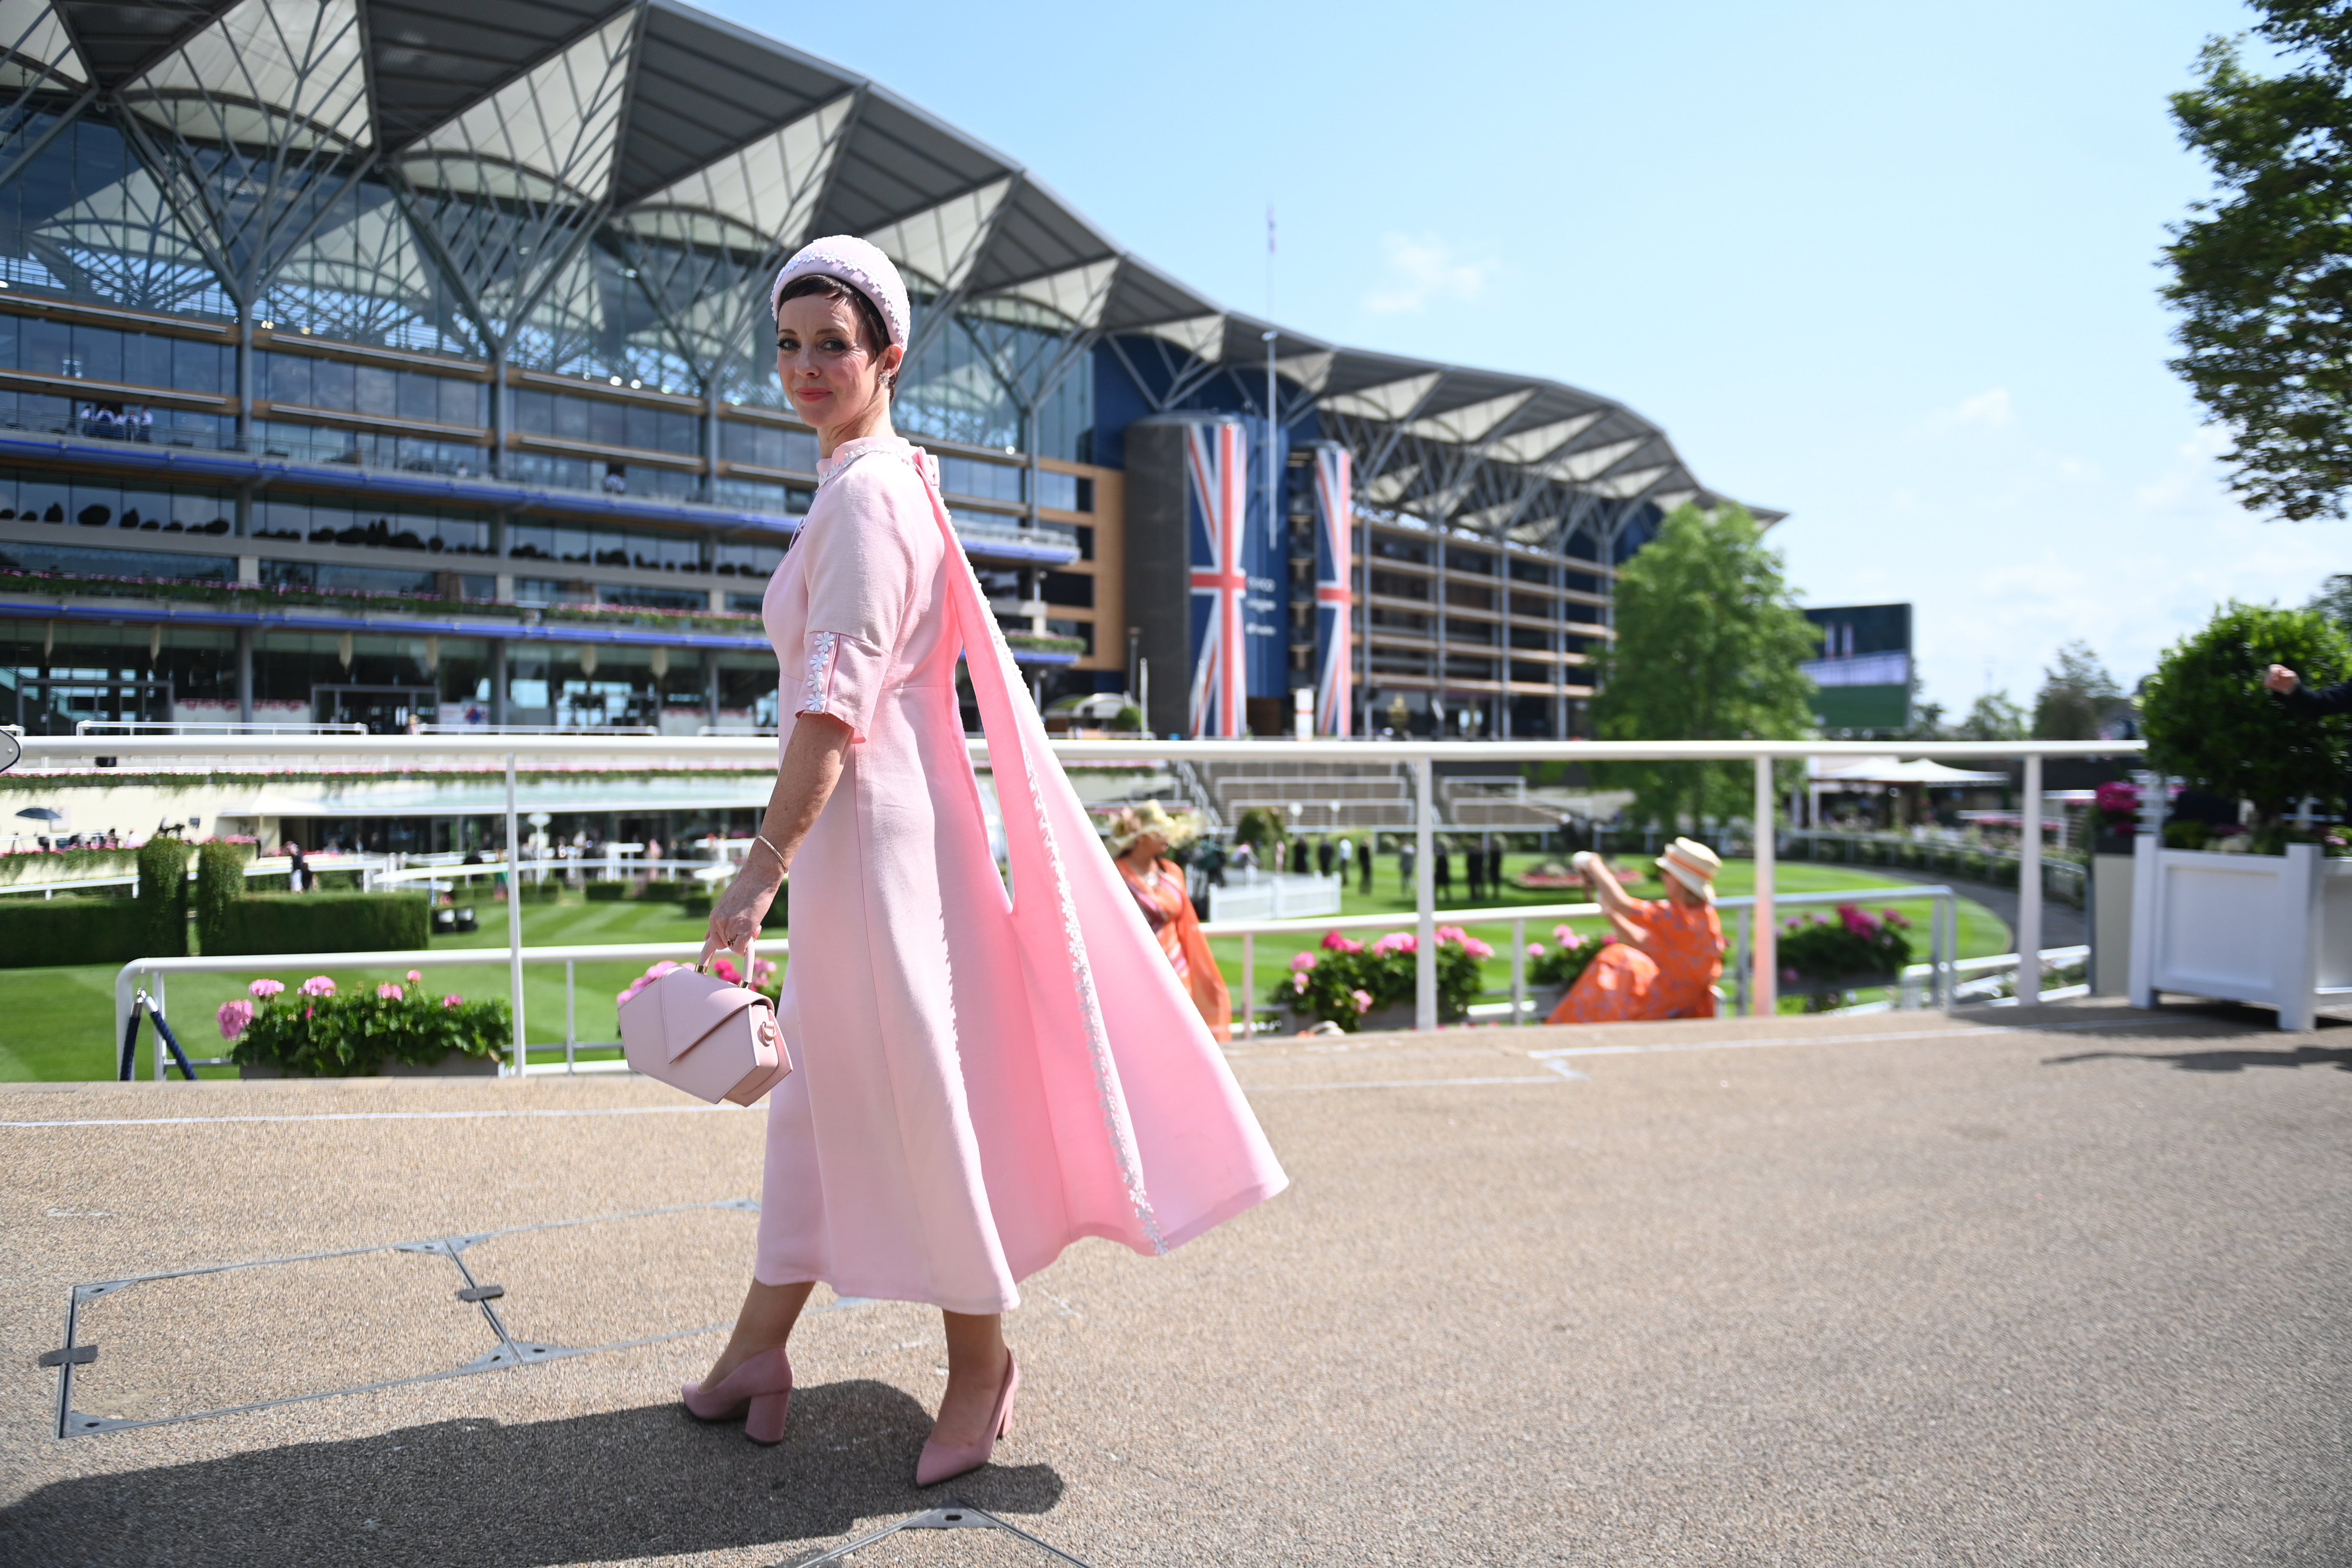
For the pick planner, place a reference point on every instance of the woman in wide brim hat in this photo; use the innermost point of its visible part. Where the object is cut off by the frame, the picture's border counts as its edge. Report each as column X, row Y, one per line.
column 1669, row 953
column 1140, row 837
column 981, row 1074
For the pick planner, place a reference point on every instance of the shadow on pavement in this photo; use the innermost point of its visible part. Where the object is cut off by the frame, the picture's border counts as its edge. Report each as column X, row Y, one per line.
column 646, row 1482
column 2218, row 1061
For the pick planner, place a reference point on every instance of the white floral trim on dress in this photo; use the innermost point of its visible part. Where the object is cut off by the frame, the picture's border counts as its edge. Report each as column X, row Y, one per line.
column 817, row 685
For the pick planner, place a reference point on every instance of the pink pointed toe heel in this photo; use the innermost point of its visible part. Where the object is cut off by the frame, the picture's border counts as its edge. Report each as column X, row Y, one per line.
column 759, row 1391
column 940, row 1463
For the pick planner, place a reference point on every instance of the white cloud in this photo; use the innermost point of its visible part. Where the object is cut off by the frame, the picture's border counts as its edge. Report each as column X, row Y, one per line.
column 1987, row 410
column 2010, row 550
column 1423, row 268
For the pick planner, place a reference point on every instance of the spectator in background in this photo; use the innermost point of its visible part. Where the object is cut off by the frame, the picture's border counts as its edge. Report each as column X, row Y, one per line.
column 1325, row 855
column 1407, row 851
column 1495, row 868
column 146, row 426
column 1441, row 872
column 298, row 871
column 1669, row 952
column 1364, row 865
column 1473, row 871
column 1140, row 839
column 1301, row 862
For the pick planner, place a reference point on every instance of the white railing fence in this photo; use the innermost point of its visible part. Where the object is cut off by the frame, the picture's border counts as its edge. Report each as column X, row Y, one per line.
column 1418, row 757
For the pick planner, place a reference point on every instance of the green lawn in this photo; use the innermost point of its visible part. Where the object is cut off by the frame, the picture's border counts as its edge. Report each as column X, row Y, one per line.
column 55, row 1024
column 1982, row 931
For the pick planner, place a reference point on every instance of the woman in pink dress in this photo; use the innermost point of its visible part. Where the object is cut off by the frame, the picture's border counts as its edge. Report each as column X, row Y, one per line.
column 981, row 1074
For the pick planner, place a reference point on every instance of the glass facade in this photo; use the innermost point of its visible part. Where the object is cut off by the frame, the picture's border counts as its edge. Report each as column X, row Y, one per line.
column 277, row 240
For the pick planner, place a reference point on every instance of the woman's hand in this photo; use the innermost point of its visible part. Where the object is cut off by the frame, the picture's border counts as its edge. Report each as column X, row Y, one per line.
column 735, row 919
column 812, row 766
column 2281, row 679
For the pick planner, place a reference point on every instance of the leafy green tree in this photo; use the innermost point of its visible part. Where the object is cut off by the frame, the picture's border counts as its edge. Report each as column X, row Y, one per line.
column 1708, row 643
column 1258, row 827
column 2077, row 696
column 2263, row 273
column 1927, row 718
column 2334, row 601
column 1994, row 716
column 2208, row 718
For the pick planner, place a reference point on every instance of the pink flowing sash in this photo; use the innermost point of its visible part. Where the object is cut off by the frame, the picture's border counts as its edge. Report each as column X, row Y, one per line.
column 1120, row 1045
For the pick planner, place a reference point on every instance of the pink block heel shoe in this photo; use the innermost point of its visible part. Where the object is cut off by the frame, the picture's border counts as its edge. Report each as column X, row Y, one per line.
column 759, row 1391
column 940, row 1463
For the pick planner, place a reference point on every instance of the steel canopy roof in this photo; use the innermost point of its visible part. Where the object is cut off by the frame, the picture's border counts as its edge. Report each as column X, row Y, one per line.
column 1492, row 451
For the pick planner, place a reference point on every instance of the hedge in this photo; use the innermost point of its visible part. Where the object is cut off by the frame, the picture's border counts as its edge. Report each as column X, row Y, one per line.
column 163, row 921
column 37, row 933
column 220, row 882
column 325, row 923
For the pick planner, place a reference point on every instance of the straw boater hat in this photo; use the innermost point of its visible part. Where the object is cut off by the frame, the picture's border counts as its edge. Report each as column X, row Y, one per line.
column 1692, row 864
column 1150, row 817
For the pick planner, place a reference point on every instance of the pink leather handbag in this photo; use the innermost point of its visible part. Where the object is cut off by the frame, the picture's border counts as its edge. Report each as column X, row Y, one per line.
column 695, row 1032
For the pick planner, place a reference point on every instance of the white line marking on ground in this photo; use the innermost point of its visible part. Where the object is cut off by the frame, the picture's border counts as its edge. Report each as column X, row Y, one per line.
column 369, row 1116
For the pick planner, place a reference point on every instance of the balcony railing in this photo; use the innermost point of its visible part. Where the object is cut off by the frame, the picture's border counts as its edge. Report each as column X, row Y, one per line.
column 1418, row 758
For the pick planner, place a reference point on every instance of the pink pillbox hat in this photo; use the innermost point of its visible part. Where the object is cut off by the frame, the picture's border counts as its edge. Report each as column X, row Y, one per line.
column 862, row 265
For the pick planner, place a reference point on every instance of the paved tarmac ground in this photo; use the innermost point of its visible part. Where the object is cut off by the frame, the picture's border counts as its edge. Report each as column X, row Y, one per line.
column 2064, row 1285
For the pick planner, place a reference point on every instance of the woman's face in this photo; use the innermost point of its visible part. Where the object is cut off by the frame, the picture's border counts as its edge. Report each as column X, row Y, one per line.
column 831, row 372
column 1149, row 847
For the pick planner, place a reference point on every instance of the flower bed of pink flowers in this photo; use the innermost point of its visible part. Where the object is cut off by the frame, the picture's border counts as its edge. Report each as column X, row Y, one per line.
column 316, row 1032
column 1564, row 962
column 1346, row 978
column 1854, row 949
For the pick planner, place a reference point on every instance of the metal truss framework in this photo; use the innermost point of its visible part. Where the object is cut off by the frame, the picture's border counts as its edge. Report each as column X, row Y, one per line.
column 603, row 189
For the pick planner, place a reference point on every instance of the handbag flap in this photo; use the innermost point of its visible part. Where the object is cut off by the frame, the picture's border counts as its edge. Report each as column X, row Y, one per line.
column 692, row 1004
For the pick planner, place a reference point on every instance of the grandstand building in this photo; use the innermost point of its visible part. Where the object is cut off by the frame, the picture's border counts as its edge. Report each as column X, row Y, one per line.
column 394, row 363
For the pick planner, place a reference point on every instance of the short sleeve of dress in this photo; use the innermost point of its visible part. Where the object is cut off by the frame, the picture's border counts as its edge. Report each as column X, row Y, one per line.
column 861, row 583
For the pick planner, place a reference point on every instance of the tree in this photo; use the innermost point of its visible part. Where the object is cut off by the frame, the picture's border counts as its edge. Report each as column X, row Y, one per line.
column 2208, row 718
column 1994, row 716
column 2263, row 273
column 1707, row 648
column 1927, row 718
column 2333, row 600
column 2077, row 696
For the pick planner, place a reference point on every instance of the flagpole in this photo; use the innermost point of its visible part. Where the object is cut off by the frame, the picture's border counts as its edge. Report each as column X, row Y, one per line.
column 1273, row 471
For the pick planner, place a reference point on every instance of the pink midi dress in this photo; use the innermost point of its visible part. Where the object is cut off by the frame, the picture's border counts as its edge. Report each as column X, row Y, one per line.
column 983, row 1072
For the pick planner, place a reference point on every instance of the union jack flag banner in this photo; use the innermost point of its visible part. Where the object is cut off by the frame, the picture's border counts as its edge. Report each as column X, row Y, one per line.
column 1335, row 697
column 1216, row 459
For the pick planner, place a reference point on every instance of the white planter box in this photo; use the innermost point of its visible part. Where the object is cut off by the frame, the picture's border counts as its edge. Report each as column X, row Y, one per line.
column 2270, row 929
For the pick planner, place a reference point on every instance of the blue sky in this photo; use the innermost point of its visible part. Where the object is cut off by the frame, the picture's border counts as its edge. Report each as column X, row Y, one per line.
column 1891, row 268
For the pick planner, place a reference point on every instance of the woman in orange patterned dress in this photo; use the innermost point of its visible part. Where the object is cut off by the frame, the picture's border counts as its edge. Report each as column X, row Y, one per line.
column 1670, row 953
column 1139, row 841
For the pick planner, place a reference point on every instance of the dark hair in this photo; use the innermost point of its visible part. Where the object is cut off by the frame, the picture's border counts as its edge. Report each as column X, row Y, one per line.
column 869, row 318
